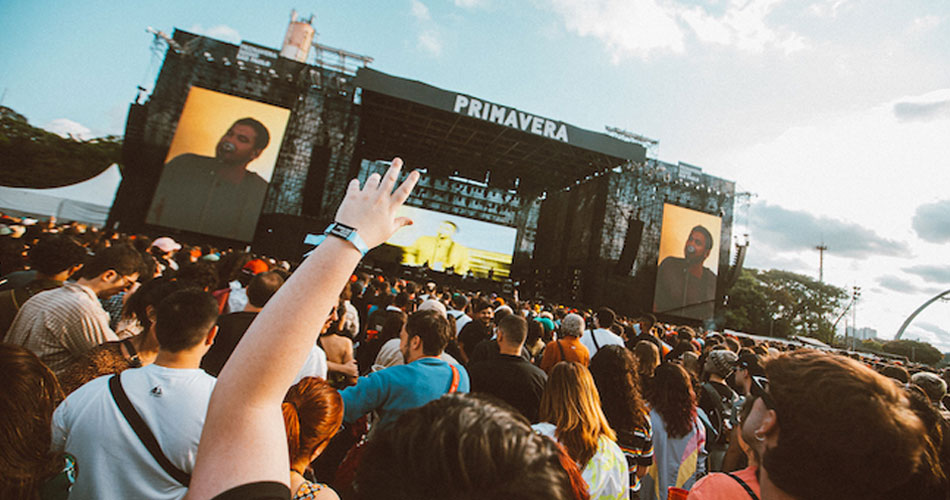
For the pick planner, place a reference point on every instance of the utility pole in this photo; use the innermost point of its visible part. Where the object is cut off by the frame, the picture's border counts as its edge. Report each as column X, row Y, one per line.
column 821, row 261
column 855, row 293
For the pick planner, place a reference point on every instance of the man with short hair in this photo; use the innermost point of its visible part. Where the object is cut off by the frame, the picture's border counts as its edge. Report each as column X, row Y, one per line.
column 424, row 377
column 171, row 395
column 215, row 195
column 826, row 426
column 595, row 338
column 53, row 260
column 231, row 326
column 65, row 322
column 747, row 366
column 684, row 287
column 507, row 375
column 477, row 330
column 567, row 347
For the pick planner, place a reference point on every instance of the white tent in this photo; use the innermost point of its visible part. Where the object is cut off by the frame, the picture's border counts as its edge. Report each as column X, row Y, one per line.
column 88, row 201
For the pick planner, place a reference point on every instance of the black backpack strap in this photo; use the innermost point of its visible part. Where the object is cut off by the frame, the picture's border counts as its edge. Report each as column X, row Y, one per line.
column 594, row 338
column 560, row 348
column 143, row 432
column 744, row 485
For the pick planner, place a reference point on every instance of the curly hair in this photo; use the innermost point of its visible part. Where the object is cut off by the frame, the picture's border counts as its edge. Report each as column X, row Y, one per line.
column 615, row 373
column 571, row 402
column 671, row 395
column 28, row 397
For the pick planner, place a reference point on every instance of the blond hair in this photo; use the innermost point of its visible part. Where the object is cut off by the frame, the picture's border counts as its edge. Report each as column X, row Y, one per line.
column 571, row 402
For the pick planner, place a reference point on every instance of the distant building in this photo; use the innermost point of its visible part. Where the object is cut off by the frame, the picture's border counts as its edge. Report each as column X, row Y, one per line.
column 862, row 333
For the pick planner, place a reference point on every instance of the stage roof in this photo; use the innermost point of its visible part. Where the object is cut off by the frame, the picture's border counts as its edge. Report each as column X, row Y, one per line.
column 451, row 133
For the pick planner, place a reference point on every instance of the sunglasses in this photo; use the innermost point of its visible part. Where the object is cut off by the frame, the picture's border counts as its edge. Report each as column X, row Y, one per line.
column 760, row 389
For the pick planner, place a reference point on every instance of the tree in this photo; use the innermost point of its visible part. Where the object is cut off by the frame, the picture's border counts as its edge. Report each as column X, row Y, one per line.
column 914, row 350
column 32, row 157
column 782, row 304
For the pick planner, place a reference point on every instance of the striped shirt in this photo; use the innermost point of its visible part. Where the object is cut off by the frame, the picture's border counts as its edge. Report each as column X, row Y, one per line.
column 60, row 324
column 637, row 447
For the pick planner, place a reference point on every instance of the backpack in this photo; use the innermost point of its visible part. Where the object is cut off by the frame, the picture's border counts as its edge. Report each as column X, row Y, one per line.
column 723, row 416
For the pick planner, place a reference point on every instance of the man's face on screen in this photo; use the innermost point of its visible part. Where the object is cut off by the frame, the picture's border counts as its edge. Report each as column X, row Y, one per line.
column 237, row 145
column 695, row 249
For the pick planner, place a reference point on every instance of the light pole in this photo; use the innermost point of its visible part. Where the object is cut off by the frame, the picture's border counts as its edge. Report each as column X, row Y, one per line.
column 855, row 293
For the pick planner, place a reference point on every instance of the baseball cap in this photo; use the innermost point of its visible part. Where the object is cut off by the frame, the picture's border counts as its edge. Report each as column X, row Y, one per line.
column 721, row 362
column 750, row 362
column 256, row 266
column 166, row 244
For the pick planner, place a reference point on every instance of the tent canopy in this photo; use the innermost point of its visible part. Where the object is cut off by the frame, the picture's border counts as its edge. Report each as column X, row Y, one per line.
column 88, row 201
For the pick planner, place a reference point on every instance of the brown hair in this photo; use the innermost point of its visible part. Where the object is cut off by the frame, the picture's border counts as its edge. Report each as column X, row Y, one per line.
column 28, row 396
column 571, row 402
column 615, row 373
column 648, row 356
column 464, row 446
column 845, row 431
column 430, row 326
column 671, row 395
column 313, row 412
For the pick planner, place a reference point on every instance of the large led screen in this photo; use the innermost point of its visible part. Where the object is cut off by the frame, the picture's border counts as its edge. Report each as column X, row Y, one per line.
column 450, row 243
column 218, row 166
column 688, row 263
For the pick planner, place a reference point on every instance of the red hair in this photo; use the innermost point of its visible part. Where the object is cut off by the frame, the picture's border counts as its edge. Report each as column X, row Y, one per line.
column 313, row 412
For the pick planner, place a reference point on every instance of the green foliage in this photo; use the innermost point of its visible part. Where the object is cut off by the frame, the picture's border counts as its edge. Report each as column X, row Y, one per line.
column 782, row 304
column 920, row 352
column 34, row 158
column 871, row 345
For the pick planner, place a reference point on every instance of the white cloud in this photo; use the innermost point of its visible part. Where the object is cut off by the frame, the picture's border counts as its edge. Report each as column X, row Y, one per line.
column 470, row 4
column 743, row 26
column 925, row 24
column 420, row 11
column 429, row 41
column 219, row 32
column 628, row 28
column 641, row 27
column 826, row 8
column 870, row 167
column 64, row 127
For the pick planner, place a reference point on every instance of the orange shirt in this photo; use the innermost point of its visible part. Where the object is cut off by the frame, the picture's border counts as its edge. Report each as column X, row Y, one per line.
column 718, row 486
column 573, row 351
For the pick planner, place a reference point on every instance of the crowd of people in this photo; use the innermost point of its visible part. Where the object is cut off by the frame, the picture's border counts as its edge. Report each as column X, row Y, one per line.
column 145, row 368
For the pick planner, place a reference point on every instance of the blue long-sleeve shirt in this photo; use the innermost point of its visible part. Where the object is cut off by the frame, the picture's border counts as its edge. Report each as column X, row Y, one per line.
column 394, row 390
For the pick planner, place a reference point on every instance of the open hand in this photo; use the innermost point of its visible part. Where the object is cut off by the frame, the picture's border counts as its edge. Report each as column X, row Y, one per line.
column 372, row 208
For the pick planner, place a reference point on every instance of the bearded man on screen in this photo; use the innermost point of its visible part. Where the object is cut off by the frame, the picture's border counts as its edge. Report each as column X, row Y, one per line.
column 684, row 287
column 215, row 195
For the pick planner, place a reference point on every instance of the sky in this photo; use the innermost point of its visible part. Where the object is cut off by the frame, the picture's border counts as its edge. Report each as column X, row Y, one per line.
column 833, row 114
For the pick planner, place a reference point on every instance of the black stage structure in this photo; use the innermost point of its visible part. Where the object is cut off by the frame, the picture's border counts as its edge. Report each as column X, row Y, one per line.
column 587, row 206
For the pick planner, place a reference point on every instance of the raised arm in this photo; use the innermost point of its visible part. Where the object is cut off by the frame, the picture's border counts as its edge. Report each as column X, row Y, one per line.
column 243, row 440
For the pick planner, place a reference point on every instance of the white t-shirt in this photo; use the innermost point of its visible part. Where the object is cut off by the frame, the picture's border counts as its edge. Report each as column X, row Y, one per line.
column 604, row 337
column 114, row 463
column 315, row 366
column 237, row 299
column 461, row 319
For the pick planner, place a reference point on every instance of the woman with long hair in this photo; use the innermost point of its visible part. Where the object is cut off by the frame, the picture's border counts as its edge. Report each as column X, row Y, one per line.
column 313, row 412
column 571, row 414
column 615, row 373
column 679, row 438
column 28, row 396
